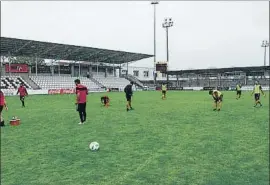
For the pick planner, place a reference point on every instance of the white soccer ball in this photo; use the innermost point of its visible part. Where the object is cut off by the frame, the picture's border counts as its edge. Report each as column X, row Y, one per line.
column 94, row 146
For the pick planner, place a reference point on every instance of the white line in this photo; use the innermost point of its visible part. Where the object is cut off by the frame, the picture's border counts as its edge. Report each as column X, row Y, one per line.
column 140, row 167
column 127, row 174
column 39, row 109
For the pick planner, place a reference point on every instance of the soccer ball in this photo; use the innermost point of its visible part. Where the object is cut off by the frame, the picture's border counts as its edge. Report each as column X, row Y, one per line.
column 94, row 146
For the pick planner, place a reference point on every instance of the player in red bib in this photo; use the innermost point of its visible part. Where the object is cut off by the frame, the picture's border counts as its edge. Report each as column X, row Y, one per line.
column 2, row 105
column 81, row 92
column 23, row 92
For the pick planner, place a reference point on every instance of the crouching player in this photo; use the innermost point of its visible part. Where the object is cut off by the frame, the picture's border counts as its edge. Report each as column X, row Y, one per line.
column 105, row 100
column 218, row 98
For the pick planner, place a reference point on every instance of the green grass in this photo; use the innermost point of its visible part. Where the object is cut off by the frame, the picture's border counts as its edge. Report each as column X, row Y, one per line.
column 178, row 141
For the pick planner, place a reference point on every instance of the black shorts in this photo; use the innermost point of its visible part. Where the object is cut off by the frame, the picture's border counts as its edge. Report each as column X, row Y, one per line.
column 219, row 99
column 164, row 92
column 128, row 97
column 1, row 108
column 257, row 96
column 81, row 107
column 238, row 92
column 104, row 100
column 22, row 98
column 2, row 123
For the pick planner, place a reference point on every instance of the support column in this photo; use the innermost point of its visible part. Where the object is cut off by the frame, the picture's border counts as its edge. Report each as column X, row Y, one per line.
column 90, row 70
column 120, row 70
column 36, row 66
column 72, row 70
column 167, row 80
column 113, row 70
column 79, row 70
column 52, row 70
column 9, row 56
column 219, row 79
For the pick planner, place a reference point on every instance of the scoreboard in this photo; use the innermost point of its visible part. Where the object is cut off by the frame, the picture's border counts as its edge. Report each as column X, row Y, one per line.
column 161, row 67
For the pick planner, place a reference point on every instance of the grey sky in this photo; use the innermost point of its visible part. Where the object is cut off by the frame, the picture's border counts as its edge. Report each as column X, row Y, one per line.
column 205, row 34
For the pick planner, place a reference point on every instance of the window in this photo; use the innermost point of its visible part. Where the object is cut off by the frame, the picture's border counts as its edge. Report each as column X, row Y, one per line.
column 124, row 71
column 163, row 75
column 135, row 73
column 146, row 73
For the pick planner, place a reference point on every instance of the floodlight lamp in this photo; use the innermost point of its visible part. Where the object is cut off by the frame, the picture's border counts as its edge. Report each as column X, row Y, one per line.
column 154, row 2
column 265, row 43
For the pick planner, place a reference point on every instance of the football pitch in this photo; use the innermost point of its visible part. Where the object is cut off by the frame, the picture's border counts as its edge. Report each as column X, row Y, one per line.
column 178, row 141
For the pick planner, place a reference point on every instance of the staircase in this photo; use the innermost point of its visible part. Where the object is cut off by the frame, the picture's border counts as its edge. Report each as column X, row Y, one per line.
column 134, row 80
column 96, row 82
column 30, row 82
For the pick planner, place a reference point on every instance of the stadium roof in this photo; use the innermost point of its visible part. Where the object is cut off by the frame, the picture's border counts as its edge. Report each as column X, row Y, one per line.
column 220, row 70
column 47, row 50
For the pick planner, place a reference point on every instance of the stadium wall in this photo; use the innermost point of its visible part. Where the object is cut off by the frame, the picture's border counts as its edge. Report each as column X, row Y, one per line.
column 8, row 92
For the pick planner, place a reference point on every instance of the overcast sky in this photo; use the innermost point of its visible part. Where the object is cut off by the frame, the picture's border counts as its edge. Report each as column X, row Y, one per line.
column 205, row 34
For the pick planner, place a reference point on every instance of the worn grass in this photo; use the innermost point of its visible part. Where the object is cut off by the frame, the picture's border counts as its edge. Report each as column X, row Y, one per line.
column 178, row 141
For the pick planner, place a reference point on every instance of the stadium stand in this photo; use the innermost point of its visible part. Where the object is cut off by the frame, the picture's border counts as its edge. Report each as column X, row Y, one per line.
column 112, row 82
column 13, row 82
column 67, row 63
column 220, row 77
column 56, row 82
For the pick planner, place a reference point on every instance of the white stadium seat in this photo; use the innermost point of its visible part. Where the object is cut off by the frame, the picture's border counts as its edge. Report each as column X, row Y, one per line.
column 63, row 82
column 112, row 82
column 13, row 82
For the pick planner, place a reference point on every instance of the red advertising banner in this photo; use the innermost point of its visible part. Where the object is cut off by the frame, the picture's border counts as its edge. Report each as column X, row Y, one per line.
column 17, row 68
column 61, row 91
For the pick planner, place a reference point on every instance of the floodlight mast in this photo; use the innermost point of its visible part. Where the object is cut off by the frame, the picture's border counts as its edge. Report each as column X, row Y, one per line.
column 167, row 24
column 265, row 44
column 154, row 3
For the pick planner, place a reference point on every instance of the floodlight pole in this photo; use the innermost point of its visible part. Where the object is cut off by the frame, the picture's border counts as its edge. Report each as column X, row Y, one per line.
column 265, row 44
column 154, row 3
column 167, row 24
